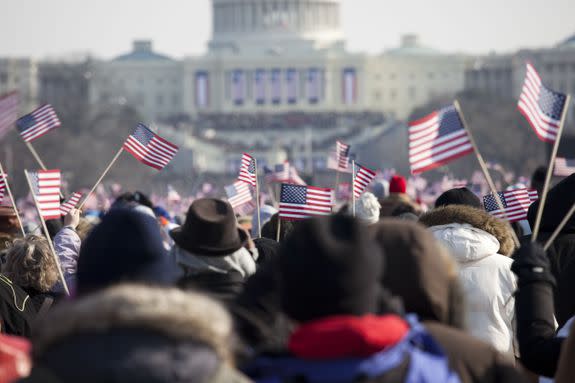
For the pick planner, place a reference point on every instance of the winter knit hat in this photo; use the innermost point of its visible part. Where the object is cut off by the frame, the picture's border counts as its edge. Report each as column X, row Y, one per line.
column 367, row 208
column 461, row 196
column 329, row 266
column 125, row 247
column 397, row 184
column 380, row 189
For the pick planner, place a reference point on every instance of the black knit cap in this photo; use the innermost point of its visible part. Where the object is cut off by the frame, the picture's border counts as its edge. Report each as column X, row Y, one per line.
column 126, row 246
column 460, row 196
column 329, row 266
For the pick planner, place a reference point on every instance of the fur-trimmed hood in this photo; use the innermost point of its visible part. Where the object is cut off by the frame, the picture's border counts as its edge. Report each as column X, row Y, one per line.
column 169, row 312
column 476, row 218
column 134, row 333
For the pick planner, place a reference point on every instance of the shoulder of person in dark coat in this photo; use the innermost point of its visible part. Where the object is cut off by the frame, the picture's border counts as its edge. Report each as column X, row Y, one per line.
column 223, row 287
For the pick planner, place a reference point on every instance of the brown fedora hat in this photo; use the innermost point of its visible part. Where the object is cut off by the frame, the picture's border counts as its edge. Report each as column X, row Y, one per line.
column 210, row 229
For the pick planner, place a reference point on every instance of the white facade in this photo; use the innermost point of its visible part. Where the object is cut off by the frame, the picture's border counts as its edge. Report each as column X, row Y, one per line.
column 20, row 75
column 278, row 56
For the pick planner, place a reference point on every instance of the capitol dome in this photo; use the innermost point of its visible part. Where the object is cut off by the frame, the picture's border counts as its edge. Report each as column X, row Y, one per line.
column 248, row 26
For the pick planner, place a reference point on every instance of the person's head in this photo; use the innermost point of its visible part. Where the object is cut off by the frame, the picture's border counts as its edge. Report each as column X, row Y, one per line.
column 367, row 208
column 30, row 264
column 266, row 213
column 269, row 230
column 329, row 266
column 404, row 208
column 210, row 229
column 8, row 220
column 126, row 246
column 459, row 196
column 538, row 179
column 420, row 271
column 397, row 185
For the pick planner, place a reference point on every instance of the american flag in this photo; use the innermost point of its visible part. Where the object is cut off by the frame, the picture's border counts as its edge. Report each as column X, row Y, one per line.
column 8, row 112
column 46, row 188
column 238, row 194
column 437, row 139
column 342, row 155
column 515, row 202
column 149, row 148
column 71, row 203
column 564, row 166
column 363, row 178
column 248, row 170
column 38, row 123
column 283, row 173
column 2, row 186
column 541, row 106
column 299, row 202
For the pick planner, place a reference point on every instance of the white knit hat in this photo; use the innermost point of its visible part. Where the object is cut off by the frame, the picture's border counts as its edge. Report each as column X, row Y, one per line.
column 367, row 208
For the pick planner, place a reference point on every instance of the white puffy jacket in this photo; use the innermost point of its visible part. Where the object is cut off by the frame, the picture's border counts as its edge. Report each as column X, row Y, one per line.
column 488, row 283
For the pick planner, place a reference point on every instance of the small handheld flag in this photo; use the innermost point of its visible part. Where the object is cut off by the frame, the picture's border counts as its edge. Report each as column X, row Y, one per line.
column 46, row 189
column 283, row 173
column 248, row 170
column 238, row 194
column 71, row 203
column 515, row 202
column 149, row 148
column 38, row 123
column 363, row 178
column 300, row 202
column 2, row 186
column 437, row 139
column 541, row 106
column 8, row 112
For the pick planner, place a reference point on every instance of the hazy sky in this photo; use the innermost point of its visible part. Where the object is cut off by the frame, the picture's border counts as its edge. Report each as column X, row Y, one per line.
column 181, row 27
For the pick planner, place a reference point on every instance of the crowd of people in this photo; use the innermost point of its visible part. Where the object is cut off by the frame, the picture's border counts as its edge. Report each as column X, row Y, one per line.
column 396, row 293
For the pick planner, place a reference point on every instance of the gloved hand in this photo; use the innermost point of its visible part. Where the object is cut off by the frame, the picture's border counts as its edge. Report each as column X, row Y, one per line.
column 531, row 264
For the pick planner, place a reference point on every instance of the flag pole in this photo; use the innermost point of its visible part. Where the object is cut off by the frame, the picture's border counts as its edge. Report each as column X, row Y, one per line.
column 483, row 167
column 352, row 187
column 257, row 198
column 101, row 177
column 2, row 174
column 550, row 171
column 60, row 273
column 36, row 156
column 278, row 228
column 560, row 227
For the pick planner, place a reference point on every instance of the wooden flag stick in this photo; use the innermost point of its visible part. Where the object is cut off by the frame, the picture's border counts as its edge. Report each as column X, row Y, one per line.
column 549, row 171
column 36, row 156
column 483, row 167
column 101, row 177
column 352, row 183
column 278, row 228
column 258, row 199
column 560, row 227
column 2, row 174
column 61, row 274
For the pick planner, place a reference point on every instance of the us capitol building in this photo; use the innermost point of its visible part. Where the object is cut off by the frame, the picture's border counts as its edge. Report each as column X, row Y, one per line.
column 277, row 56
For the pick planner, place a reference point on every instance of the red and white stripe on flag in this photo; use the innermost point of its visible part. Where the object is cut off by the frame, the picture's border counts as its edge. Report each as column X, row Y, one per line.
column 238, row 194
column 46, row 188
column 541, row 106
column 71, row 203
column 3, row 182
column 363, row 178
column 9, row 104
column 38, row 123
column 149, row 148
column 300, row 202
column 437, row 139
column 248, row 170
